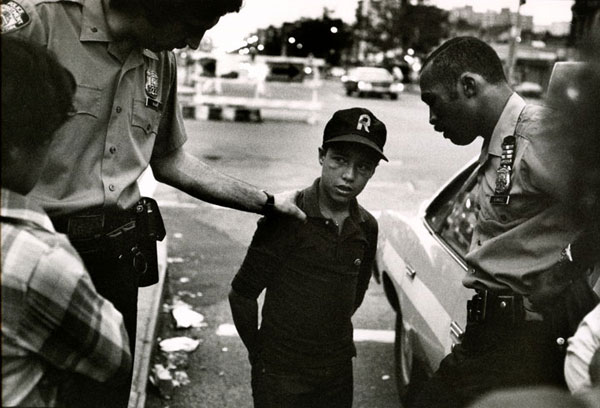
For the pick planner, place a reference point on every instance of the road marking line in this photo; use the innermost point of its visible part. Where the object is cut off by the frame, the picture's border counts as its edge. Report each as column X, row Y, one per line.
column 360, row 335
column 175, row 204
column 377, row 336
column 227, row 330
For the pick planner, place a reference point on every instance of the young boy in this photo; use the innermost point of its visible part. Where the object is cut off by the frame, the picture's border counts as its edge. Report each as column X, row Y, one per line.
column 315, row 274
column 54, row 324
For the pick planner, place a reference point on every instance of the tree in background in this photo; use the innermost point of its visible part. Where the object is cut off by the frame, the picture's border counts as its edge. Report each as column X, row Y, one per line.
column 325, row 37
column 394, row 24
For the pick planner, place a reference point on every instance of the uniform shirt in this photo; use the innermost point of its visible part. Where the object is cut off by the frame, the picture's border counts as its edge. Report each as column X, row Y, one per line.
column 53, row 320
column 315, row 278
column 97, row 156
column 582, row 346
column 512, row 243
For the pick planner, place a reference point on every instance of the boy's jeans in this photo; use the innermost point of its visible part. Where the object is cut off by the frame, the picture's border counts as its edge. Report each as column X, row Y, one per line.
column 323, row 387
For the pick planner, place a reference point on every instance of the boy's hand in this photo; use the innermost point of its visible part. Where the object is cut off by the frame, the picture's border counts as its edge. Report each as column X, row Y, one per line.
column 285, row 203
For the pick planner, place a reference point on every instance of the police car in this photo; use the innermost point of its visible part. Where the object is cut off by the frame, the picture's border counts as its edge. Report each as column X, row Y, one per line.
column 420, row 263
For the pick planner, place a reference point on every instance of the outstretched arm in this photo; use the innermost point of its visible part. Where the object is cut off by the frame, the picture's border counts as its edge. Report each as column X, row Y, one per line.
column 186, row 173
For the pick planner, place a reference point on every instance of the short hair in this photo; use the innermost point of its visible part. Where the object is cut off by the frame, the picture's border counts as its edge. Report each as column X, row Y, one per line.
column 37, row 93
column 462, row 54
column 168, row 11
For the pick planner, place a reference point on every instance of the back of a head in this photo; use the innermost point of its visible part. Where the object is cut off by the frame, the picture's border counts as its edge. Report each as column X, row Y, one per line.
column 37, row 93
column 161, row 11
column 464, row 54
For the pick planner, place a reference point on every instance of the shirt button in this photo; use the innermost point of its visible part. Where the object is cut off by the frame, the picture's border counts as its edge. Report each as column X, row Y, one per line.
column 357, row 262
column 113, row 149
column 148, row 127
column 111, row 187
column 479, row 242
column 503, row 217
column 327, row 222
column 118, row 109
column 94, row 29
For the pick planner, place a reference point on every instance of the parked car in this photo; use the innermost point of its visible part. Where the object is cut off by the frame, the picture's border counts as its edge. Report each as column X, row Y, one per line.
column 420, row 263
column 365, row 81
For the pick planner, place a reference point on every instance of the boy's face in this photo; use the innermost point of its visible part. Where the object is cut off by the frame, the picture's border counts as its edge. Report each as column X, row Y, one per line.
column 346, row 169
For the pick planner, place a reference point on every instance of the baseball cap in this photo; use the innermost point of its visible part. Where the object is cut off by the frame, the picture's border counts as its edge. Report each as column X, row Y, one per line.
column 356, row 125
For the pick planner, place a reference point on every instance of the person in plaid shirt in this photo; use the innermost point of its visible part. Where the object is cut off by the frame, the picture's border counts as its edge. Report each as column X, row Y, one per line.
column 55, row 326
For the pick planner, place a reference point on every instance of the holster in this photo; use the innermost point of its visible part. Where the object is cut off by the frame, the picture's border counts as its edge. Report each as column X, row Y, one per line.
column 150, row 228
column 127, row 236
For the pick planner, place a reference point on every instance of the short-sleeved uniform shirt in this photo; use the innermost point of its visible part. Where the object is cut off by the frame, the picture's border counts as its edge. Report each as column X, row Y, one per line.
column 315, row 278
column 126, row 109
column 513, row 243
column 580, row 352
column 54, row 323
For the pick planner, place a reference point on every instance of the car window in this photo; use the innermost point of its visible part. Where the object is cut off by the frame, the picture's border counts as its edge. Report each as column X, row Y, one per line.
column 451, row 215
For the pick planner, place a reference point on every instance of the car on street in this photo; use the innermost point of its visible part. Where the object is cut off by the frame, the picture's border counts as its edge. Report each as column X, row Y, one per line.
column 420, row 263
column 371, row 81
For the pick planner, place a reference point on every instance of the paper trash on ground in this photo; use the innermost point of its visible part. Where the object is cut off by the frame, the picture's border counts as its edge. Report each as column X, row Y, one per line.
column 185, row 317
column 179, row 344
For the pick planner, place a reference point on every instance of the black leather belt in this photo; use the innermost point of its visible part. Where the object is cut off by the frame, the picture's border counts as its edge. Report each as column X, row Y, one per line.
column 93, row 224
column 489, row 307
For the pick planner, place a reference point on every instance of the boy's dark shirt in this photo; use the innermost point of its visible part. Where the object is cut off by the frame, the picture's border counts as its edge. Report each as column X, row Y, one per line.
column 315, row 280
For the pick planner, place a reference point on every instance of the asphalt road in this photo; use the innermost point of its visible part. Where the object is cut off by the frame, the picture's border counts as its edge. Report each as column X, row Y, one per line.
column 208, row 243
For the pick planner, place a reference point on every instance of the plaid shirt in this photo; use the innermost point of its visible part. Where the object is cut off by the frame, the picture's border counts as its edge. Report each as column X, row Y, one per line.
column 54, row 323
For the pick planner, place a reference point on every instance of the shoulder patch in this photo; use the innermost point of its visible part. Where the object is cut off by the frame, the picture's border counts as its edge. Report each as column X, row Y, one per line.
column 14, row 16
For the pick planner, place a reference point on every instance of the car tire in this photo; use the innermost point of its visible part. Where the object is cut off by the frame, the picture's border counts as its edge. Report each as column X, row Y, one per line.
column 417, row 372
column 393, row 96
column 348, row 92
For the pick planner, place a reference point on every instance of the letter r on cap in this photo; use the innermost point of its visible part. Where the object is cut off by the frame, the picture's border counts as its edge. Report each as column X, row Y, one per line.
column 364, row 121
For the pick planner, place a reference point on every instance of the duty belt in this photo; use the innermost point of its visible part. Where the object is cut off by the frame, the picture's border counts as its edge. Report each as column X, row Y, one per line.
column 92, row 224
column 489, row 307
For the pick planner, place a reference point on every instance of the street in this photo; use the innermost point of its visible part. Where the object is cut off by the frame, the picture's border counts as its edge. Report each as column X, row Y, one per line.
column 207, row 243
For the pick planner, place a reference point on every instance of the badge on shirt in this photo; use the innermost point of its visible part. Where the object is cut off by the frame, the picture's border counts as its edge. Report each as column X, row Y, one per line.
column 503, row 174
column 13, row 17
column 151, row 84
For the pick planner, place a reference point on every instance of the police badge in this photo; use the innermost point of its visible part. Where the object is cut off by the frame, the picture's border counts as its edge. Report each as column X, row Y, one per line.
column 503, row 174
column 151, row 89
column 151, row 84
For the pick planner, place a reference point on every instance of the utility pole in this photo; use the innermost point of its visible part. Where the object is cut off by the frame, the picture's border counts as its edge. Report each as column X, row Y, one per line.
column 515, row 37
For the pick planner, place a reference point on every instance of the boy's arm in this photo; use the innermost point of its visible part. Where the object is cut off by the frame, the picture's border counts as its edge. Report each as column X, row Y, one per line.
column 263, row 259
column 367, row 266
column 245, row 317
column 75, row 328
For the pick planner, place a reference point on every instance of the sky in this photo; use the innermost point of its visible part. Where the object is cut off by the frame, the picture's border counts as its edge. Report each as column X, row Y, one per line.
column 232, row 28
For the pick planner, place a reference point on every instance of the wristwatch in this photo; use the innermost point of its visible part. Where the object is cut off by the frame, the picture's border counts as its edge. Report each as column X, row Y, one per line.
column 269, row 206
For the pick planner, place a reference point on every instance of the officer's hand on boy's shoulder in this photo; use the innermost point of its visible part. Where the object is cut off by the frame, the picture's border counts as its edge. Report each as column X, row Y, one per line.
column 285, row 203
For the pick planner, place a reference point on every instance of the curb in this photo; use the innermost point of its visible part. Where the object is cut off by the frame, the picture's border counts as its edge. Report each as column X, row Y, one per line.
column 149, row 303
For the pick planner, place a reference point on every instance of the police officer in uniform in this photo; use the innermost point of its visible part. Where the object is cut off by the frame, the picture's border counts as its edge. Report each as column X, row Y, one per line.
column 522, row 225
column 126, row 118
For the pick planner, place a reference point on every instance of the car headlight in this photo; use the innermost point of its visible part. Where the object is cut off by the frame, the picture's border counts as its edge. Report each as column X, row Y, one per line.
column 364, row 86
column 397, row 87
